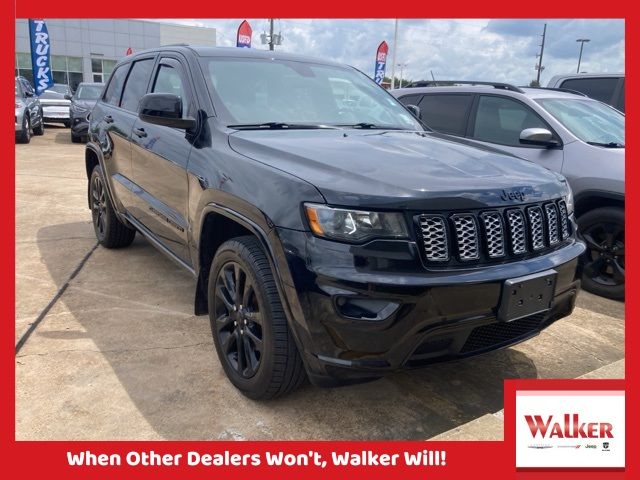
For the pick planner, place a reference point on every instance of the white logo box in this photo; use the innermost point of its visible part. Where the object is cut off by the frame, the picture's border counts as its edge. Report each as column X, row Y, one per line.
column 582, row 429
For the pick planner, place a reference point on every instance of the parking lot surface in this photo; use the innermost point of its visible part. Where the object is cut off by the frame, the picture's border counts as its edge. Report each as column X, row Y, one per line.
column 117, row 354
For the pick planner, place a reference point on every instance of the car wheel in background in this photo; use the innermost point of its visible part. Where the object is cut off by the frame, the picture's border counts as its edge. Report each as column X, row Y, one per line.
column 25, row 134
column 109, row 229
column 67, row 124
column 76, row 138
column 249, row 327
column 39, row 130
column 603, row 264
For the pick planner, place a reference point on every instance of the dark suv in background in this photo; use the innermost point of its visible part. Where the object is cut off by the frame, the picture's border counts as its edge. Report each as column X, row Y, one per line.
column 330, row 235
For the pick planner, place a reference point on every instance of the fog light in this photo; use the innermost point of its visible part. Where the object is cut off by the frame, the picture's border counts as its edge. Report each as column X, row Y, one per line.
column 365, row 308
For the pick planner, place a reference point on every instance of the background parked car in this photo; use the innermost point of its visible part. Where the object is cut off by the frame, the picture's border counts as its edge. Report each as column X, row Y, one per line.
column 606, row 87
column 82, row 102
column 567, row 132
column 55, row 104
column 28, row 111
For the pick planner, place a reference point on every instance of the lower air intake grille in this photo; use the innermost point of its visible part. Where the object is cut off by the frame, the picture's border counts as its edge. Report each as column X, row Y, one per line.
column 500, row 333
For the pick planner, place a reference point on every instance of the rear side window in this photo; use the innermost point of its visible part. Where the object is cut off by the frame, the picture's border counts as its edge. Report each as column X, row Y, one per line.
column 501, row 120
column 410, row 99
column 599, row 88
column 446, row 113
column 136, row 85
column 114, row 90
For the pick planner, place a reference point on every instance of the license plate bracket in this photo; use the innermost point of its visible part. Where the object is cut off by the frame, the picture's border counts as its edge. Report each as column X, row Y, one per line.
column 528, row 295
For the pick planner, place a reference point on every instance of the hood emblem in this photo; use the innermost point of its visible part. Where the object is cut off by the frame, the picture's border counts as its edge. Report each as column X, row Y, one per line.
column 513, row 195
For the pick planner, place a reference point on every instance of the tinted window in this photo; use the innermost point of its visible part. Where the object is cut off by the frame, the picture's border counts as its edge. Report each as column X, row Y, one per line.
column 446, row 113
column 114, row 90
column 599, row 88
column 621, row 100
column 500, row 120
column 136, row 85
column 410, row 99
column 168, row 81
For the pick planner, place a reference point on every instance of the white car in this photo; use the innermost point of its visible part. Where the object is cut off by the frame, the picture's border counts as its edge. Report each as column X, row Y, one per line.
column 55, row 104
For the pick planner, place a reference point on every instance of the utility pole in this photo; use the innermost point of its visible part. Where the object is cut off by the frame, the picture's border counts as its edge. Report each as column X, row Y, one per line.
column 393, row 58
column 401, row 65
column 582, row 42
column 540, row 67
column 271, row 43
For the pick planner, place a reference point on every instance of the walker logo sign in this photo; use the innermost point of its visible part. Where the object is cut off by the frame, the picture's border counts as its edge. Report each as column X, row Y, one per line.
column 244, row 35
column 40, row 55
column 570, row 429
column 381, row 62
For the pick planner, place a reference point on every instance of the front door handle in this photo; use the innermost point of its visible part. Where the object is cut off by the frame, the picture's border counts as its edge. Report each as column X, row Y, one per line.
column 108, row 119
column 140, row 132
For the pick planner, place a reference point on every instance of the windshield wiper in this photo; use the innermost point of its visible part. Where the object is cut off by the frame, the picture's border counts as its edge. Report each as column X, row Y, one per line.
column 607, row 145
column 371, row 126
column 278, row 126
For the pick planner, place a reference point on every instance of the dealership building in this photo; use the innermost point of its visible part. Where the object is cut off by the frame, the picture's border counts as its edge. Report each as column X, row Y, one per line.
column 87, row 50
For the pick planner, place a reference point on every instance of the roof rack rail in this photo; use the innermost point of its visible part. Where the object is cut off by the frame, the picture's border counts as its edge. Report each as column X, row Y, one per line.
column 565, row 90
column 453, row 83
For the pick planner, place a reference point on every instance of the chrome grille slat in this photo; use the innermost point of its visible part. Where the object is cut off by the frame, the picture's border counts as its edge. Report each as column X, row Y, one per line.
column 434, row 233
column 551, row 214
column 535, row 227
column 492, row 235
column 467, row 236
column 518, row 231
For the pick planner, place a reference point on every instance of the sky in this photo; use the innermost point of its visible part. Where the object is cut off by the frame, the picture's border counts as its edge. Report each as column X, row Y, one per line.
column 501, row 50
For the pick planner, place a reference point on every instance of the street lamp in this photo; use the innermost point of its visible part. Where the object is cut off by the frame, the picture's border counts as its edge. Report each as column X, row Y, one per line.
column 401, row 67
column 582, row 42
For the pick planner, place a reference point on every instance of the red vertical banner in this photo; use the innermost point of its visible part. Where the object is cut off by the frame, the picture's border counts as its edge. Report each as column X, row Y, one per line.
column 129, row 51
column 244, row 35
column 381, row 62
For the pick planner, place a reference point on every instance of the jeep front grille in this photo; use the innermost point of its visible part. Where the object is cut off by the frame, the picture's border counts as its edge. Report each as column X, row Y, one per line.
column 493, row 235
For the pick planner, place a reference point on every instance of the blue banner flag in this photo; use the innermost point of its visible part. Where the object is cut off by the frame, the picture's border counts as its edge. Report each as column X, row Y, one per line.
column 40, row 55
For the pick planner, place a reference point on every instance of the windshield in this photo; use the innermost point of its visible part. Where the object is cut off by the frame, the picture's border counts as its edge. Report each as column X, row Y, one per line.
column 63, row 89
column 590, row 121
column 255, row 91
column 88, row 92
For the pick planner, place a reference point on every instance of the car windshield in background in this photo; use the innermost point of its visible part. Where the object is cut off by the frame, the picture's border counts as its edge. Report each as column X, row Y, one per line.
column 592, row 122
column 88, row 92
column 63, row 89
column 52, row 95
column 288, row 94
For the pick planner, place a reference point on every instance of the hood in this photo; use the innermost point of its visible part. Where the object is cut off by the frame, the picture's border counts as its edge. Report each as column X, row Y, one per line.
column 399, row 169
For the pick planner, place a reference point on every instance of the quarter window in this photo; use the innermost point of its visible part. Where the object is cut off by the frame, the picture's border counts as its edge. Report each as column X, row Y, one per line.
column 501, row 120
column 136, row 85
column 446, row 113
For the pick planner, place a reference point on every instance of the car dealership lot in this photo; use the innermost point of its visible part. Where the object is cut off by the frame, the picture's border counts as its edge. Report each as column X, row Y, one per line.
column 120, row 355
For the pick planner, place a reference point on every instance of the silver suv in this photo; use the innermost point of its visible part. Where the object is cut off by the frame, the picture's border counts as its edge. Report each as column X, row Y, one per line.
column 564, row 131
column 28, row 112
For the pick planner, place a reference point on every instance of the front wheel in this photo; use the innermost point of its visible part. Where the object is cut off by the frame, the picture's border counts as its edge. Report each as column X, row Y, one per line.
column 109, row 229
column 25, row 134
column 249, row 327
column 39, row 130
column 602, row 230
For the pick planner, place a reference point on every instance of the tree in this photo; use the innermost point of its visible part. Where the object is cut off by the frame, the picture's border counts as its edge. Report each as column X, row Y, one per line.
column 534, row 83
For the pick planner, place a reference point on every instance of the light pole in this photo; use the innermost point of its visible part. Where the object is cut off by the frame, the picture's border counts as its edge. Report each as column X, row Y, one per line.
column 582, row 42
column 401, row 66
column 393, row 57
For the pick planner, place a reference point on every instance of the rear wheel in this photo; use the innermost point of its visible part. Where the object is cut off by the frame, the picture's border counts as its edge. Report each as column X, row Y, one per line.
column 25, row 134
column 109, row 229
column 249, row 327
column 39, row 130
column 602, row 230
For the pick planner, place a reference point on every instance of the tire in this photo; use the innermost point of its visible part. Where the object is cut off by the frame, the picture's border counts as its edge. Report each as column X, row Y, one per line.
column 603, row 264
column 109, row 230
column 25, row 134
column 39, row 130
column 76, row 138
column 251, row 334
column 67, row 124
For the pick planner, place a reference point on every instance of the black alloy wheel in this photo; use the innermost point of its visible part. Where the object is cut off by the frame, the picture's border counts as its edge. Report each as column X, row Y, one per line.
column 604, row 261
column 239, row 320
column 98, row 206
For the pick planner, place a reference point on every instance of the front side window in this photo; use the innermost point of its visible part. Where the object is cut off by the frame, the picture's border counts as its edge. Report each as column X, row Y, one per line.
column 136, row 85
column 255, row 91
column 168, row 81
column 446, row 113
column 590, row 121
column 501, row 120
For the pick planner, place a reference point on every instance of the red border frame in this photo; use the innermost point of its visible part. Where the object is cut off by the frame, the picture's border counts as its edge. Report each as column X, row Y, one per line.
column 464, row 459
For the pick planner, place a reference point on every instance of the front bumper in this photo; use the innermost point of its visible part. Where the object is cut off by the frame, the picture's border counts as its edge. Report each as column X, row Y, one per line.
column 55, row 113
column 80, row 124
column 412, row 316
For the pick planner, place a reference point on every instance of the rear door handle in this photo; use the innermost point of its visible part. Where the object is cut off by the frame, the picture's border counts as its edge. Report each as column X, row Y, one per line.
column 140, row 132
column 108, row 119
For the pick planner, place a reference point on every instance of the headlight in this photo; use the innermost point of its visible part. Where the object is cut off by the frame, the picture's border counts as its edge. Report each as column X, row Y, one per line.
column 354, row 225
column 79, row 110
column 568, row 198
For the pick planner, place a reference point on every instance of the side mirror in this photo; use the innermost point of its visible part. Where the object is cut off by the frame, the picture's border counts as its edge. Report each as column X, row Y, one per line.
column 538, row 136
column 415, row 110
column 164, row 109
column 27, row 93
column 67, row 97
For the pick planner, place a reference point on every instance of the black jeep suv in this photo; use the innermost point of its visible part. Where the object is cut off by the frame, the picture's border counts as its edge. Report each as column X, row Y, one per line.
column 330, row 234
